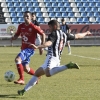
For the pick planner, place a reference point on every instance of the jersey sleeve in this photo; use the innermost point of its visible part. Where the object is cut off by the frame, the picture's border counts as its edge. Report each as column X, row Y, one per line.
column 38, row 30
column 18, row 31
column 70, row 36
column 52, row 37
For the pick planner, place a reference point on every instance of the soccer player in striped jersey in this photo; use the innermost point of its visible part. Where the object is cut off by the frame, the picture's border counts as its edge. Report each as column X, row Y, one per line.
column 55, row 43
column 28, row 32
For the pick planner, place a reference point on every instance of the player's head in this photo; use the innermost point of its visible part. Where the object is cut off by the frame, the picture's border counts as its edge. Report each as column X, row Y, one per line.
column 27, row 16
column 53, row 25
column 33, row 16
column 63, row 21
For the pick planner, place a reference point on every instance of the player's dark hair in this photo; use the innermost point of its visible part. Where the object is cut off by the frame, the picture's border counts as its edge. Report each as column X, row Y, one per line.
column 28, row 12
column 62, row 19
column 54, row 22
column 33, row 13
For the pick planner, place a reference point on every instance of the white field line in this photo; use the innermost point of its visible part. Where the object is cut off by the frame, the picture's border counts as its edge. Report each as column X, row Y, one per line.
column 85, row 57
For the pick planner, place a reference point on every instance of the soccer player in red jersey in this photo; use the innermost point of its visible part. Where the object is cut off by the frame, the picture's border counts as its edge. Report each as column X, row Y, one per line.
column 28, row 32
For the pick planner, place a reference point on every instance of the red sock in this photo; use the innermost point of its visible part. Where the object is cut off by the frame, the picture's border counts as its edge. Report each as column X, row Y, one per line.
column 31, row 72
column 20, row 71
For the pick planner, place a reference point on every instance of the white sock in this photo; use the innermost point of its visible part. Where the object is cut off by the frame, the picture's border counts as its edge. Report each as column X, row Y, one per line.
column 31, row 83
column 55, row 70
column 69, row 49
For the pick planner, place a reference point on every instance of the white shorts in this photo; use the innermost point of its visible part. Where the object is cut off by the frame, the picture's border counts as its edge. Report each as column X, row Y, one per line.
column 38, row 40
column 51, row 62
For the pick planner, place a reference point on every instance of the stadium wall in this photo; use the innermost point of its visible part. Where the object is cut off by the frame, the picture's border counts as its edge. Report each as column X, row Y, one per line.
column 7, row 30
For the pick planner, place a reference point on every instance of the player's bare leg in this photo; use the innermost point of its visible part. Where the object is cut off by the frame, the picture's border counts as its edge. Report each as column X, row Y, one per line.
column 39, row 72
column 20, row 71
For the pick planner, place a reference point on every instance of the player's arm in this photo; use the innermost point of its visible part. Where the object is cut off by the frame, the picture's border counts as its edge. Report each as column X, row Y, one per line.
column 46, row 44
column 81, row 35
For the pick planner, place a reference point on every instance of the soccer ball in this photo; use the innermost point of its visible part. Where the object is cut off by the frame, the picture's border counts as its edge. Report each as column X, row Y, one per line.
column 9, row 76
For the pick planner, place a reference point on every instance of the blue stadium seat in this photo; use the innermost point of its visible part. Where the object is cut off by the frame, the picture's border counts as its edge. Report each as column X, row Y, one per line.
column 77, row 0
column 22, row 4
column 15, row 0
column 98, row 19
column 79, row 4
column 15, row 20
column 94, row 9
column 29, row 4
column 47, row 1
column 83, row 0
column 37, row 10
column 17, row 9
column 11, row 9
column 40, row 20
column 49, row 9
column 96, row 14
column 58, row 14
column 97, row 4
column 92, row 4
column 86, row 4
column 87, row 9
column 62, row 9
column 54, row 4
column 9, row 0
column 59, row 0
column 52, row 1
column 33, row 0
column 60, row 4
column 51, row 14
column 79, row 20
column 90, row 0
column 21, row 0
column 21, row 20
column 70, row 14
column 31, row 9
column 66, row 4
column 85, row 19
column 13, row 14
column 56, row 9
column 28, row 1
column 83, row 14
column 39, row 14
column 10, row 4
column 19, row 14
column 65, row 0
column 69, row 9
column 48, row 4
column 24, row 9
column 81, row 9
column 96, row 0
column 90, row 14
column 35, row 4
column 16, row 4
column 64, row 14
column 98, row 9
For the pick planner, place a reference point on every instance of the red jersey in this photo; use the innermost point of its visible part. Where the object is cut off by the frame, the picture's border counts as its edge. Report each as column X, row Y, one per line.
column 28, row 34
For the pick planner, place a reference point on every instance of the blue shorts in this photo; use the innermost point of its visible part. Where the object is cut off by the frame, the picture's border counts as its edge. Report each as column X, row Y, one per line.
column 25, row 55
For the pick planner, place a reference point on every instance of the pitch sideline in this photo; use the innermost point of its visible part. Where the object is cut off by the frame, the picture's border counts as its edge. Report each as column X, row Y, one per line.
column 85, row 57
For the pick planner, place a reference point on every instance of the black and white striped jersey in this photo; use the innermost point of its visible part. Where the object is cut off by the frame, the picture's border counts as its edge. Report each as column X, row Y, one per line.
column 58, row 39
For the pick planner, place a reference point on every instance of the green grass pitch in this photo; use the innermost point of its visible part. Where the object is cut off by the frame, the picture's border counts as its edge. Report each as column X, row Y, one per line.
column 72, row 84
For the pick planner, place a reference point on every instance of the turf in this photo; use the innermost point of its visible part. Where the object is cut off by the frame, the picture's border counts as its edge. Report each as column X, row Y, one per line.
column 72, row 84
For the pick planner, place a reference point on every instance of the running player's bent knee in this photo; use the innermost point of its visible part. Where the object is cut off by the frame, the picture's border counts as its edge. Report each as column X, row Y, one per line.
column 17, row 60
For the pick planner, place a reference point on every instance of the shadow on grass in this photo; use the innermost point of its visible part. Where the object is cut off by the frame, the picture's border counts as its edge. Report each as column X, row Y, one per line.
column 10, row 96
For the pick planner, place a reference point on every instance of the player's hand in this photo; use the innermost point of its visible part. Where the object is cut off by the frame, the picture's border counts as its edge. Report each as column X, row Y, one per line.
column 33, row 46
column 41, row 51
